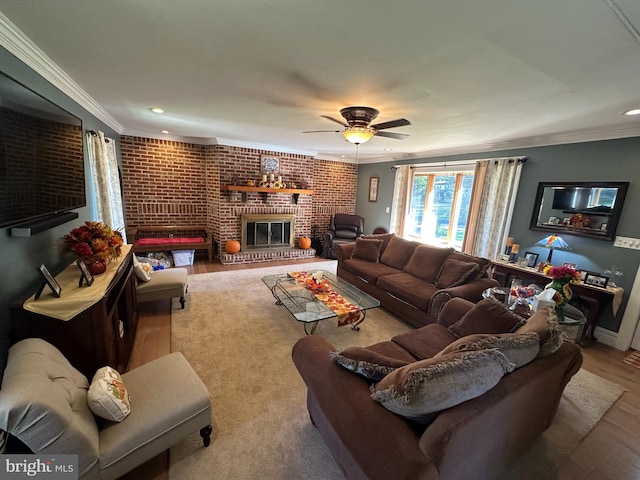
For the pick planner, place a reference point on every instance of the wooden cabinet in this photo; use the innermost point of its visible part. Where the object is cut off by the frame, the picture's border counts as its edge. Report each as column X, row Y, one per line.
column 100, row 334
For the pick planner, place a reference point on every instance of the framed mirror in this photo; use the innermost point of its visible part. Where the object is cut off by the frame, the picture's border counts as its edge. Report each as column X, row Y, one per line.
column 586, row 209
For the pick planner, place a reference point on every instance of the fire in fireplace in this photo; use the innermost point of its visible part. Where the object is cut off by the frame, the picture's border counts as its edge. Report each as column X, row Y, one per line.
column 260, row 231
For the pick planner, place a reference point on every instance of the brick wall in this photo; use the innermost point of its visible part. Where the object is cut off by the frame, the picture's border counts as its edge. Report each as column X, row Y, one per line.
column 174, row 183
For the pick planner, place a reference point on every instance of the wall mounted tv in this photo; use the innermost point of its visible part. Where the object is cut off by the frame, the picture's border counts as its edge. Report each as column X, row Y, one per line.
column 41, row 157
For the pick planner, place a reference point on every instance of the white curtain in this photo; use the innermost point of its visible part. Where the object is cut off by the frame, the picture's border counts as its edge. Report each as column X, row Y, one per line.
column 399, row 204
column 495, row 188
column 106, row 181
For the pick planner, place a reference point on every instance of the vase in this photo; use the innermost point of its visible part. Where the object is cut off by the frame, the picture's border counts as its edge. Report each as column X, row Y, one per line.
column 562, row 296
column 96, row 266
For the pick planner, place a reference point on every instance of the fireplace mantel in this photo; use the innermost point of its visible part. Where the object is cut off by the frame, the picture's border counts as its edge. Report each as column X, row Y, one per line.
column 294, row 192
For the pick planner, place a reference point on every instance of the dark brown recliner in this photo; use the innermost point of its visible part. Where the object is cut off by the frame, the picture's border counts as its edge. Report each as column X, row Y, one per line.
column 343, row 228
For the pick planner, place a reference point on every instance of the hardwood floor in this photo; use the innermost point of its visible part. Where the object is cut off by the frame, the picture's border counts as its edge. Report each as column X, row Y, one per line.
column 611, row 451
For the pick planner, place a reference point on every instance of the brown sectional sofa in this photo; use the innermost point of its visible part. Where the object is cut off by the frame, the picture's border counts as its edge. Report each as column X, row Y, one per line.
column 411, row 279
column 476, row 438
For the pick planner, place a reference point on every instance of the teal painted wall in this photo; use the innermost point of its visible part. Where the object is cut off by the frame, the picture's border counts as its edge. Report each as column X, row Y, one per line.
column 609, row 160
column 21, row 256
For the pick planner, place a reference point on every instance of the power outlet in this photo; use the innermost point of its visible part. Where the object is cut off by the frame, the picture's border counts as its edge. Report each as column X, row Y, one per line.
column 627, row 242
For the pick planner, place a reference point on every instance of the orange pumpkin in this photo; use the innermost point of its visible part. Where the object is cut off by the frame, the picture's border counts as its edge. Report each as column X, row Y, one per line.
column 304, row 242
column 232, row 246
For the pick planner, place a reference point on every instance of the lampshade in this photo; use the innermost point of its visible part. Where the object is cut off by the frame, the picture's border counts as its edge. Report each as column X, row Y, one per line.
column 553, row 242
column 358, row 135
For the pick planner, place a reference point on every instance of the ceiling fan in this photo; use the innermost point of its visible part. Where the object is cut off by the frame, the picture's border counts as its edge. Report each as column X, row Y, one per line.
column 357, row 129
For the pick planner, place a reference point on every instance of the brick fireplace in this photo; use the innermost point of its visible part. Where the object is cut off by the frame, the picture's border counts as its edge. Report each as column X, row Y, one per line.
column 175, row 183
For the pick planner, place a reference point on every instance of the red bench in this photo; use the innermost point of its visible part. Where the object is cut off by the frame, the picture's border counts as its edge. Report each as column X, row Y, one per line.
column 164, row 238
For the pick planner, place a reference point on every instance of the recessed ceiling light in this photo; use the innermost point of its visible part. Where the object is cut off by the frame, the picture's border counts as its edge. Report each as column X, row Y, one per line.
column 157, row 110
column 635, row 111
column 387, row 149
column 165, row 131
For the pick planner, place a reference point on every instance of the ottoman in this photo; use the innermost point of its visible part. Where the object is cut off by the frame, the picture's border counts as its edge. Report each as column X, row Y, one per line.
column 168, row 283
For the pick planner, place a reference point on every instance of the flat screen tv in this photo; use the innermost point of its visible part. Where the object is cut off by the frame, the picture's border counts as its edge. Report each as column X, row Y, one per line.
column 41, row 156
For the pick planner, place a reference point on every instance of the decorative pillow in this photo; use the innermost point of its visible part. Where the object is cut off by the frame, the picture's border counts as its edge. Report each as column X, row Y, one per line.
column 426, row 262
column 483, row 263
column 454, row 273
column 422, row 388
column 107, row 397
column 142, row 270
column 519, row 349
column 487, row 316
column 367, row 249
column 385, row 237
column 365, row 362
column 544, row 322
column 398, row 252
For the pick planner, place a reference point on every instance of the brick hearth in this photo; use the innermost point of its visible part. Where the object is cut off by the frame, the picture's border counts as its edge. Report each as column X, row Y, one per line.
column 256, row 256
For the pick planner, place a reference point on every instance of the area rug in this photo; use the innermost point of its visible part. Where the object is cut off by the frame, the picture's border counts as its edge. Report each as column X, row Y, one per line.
column 633, row 359
column 239, row 342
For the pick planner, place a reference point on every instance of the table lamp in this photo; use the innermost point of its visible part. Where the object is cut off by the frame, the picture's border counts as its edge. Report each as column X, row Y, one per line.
column 553, row 242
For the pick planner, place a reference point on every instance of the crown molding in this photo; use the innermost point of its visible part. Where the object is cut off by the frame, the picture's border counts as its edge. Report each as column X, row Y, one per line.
column 16, row 42
column 563, row 138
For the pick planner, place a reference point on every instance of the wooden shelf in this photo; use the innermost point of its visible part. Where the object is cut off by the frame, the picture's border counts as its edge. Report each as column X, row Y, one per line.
column 241, row 188
column 294, row 192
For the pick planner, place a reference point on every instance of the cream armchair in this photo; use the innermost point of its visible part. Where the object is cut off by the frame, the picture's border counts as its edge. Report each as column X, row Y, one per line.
column 43, row 402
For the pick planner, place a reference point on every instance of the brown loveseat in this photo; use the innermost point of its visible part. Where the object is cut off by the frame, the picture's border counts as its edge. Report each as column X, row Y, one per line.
column 411, row 279
column 473, row 439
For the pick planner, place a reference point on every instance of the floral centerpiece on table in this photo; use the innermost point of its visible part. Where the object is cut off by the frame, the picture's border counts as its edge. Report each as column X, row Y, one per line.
column 94, row 241
column 562, row 274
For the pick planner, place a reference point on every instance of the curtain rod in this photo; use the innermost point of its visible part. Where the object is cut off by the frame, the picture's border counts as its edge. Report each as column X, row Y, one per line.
column 93, row 133
column 460, row 163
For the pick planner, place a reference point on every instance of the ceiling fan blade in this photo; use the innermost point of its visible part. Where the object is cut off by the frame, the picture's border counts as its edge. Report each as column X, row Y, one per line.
column 335, row 120
column 397, row 136
column 398, row 122
column 322, row 131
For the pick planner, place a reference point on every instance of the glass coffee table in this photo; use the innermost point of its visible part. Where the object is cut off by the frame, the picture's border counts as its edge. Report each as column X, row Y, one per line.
column 314, row 296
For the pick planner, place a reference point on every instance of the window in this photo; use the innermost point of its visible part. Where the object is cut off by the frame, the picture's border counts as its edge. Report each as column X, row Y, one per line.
column 439, row 206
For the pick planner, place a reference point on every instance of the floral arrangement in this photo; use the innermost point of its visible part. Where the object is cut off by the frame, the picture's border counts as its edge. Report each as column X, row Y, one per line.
column 94, row 240
column 561, row 273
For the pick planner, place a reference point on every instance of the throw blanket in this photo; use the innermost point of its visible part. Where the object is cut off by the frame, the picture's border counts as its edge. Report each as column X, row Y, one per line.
column 346, row 311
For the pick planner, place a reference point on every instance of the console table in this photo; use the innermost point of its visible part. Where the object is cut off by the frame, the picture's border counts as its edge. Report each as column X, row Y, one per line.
column 590, row 298
column 92, row 326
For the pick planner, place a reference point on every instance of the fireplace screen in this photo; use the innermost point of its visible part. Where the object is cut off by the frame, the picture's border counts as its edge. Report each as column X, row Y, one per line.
column 267, row 231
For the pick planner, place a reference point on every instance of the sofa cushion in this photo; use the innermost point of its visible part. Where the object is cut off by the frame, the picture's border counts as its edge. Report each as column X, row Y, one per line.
column 366, row 362
column 455, row 272
column 367, row 249
column 420, row 389
column 487, row 316
column 425, row 342
column 426, row 262
column 398, row 252
column 519, row 349
column 393, row 350
column 544, row 322
column 108, row 397
column 483, row 263
column 385, row 237
column 369, row 271
column 408, row 288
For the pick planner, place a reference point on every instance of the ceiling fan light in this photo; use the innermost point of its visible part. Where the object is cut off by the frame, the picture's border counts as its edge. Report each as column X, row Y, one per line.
column 358, row 135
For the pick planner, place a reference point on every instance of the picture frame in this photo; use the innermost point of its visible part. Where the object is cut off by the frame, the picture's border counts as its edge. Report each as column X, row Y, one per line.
column 570, row 265
column 85, row 274
column 49, row 280
column 596, row 280
column 532, row 259
column 566, row 221
column 553, row 220
column 270, row 164
column 603, row 227
column 504, row 257
column 373, row 188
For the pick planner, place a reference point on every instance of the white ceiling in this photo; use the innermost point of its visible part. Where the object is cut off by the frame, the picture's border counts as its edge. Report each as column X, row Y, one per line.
column 470, row 75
